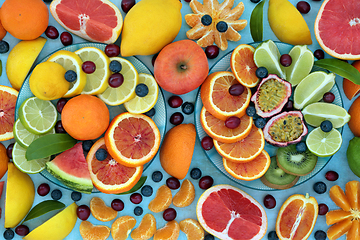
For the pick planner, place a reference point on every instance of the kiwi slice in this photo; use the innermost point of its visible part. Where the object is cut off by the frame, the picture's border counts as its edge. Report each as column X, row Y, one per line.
column 276, row 178
column 294, row 162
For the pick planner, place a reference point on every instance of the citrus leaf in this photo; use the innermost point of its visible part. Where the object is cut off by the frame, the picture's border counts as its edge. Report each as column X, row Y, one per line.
column 256, row 22
column 48, row 145
column 137, row 186
column 43, row 208
column 341, row 68
column 0, row 67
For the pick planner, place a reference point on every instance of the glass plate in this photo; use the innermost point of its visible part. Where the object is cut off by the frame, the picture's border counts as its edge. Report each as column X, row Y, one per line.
column 224, row 65
column 160, row 109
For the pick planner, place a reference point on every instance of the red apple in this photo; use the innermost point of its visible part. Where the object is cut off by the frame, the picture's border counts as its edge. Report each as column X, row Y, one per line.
column 181, row 67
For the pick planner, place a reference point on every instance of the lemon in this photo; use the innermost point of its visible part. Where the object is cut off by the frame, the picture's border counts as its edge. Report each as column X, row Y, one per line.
column 149, row 26
column 142, row 104
column 71, row 61
column 97, row 81
column 126, row 91
column 324, row 144
column 20, row 193
column 302, row 63
column 287, row 23
column 20, row 60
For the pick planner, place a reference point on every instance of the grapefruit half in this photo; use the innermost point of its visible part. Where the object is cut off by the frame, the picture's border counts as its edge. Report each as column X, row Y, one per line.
column 8, row 97
column 229, row 213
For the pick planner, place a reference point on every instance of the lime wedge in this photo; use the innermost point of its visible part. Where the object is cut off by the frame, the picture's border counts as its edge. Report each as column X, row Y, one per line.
column 20, row 161
column 318, row 112
column 324, row 144
column 302, row 63
column 267, row 55
column 38, row 116
column 312, row 88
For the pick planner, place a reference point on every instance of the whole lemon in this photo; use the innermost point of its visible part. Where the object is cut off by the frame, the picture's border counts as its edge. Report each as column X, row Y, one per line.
column 47, row 81
column 149, row 26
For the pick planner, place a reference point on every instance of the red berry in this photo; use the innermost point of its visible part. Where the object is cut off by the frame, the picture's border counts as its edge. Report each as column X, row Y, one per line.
column 331, row 176
column 9, row 150
column 88, row 67
column 176, row 118
column 236, row 89
column 207, row 143
column 303, row 7
column 206, row 182
column 83, row 212
column 173, row 183
column 43, row 189
column 319, row 54
column 126, row 5
column 269, row 201
column 212, row 51
column 117, row 205
column 175, row 101
column 66, row 38
column 285, row 60
column 323, row 209
column 136, row 198
column 328, row 97
column 22, row 230
column 51, row 32
column 60, row 104
column 116, row 80
column 59, row 128
column 112, row 50
column 169, row 214
column 232, row 122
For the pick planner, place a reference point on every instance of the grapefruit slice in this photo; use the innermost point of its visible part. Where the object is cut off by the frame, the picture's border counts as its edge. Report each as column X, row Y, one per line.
column 8, row 97
column 93, row 20
column 229, row 213
column 337, row 28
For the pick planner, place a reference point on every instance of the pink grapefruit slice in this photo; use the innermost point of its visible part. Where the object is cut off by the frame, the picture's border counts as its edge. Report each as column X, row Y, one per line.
column 8, row 97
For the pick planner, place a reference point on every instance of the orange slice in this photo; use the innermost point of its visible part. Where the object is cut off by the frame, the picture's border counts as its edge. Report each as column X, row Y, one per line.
column 121, row 227
column 339, row 229
column 132, row 139
column 108, row 175
column 192, row 229
column 217, row 99
column 244, row 150
column 251, row 170
column 170, row 231
column 162, row 200
column 146, row 228
column 100, row 211
column 186, row 195
column 336, row 216
column 243, row 66
column 352, row 192
column 8, row 97
column 89, row 232
column 216, row 128
column 338, row 196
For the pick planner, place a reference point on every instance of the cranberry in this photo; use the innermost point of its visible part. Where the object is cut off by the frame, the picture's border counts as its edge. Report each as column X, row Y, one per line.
column 232, row 122
column 303, row 7
column 116, row 80
column 323, row 209
column 60, row 104
column 88, row 67
column 154, row 58
column 331, row 176
column 112, row 50
column 136, row 198
column 176, row 118
column 212, row 51
column 328, row 97
column 169, row 214
column 269, row 201
column 207, row 143
column 22, row 230
column 173, row 183
column 9, row 150
column 59, row 128
column 83, row 212
column 66, row 38
column 285, row 60
column 236, row 89
column 175, row 101
column 206, row 182
column 319, row 54
column 289, row 106
column 117, row 205
column 51, row 32
column 187, row 0
column 43, row 189
column 126, row 5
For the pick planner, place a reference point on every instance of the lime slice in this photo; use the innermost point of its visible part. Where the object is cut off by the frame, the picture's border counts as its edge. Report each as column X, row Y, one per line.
column 71, row 61
column 116, row 96
column 97, row 81
column 312, row 88
column 324, row 144
column 302, row 63
column 267, row 55
column 143, row 104
column 38, row 116
column 20, row 161
column 318, row 112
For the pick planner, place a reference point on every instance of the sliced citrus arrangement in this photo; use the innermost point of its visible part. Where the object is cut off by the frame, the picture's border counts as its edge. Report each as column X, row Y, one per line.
column 132, row 139
column 192, row 229
column 162, row 200
column 108, row 175
column 100, row 211
column 89, row 231
column 216, row 97
column 8, row 97
column 170, row 231
column 121, row 227
column 146, row 228
column 185, row 196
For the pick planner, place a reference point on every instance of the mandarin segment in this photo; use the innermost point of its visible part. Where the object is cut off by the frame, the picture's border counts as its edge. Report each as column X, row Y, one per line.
column 170, row 231
column 146, row 228
column 121, row 227
column 192, row 229
column 354, row 231
column 352, row 192
column 186, row 195
column 337, row 195
column 339, row 229
column 162, row 199
column 90, row 232
column 336, row 216
column 100, row 211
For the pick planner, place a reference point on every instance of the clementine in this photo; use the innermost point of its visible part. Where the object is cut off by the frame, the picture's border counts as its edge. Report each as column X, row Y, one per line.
column 162, row 200
column 354, row 123
column 170, row 231
column 122, row 226
column 192, row 229
column 89, row 231
column 100, row 211
column 351, row 89
column 186, row 195
column 146, row 228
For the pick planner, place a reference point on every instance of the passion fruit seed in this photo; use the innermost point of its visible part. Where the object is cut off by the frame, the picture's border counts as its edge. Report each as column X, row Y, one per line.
column 286, row 129
column 270, row 94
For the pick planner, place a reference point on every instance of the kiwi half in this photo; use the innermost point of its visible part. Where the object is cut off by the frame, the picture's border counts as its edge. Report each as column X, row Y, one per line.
column 295, row 163
column 276, row 178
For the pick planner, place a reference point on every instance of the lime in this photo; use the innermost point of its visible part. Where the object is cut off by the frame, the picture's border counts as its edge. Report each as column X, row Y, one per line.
column 20, row 161
column 38, row 116
column 267, row 55
column 126, row 91
column 353, row 156
column 143, row 104
column 312, row 88
column 324, row 144
column 302, row 63
column 318, row 112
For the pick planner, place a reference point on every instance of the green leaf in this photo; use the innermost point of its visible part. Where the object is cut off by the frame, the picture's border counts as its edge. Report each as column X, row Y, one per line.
column 341, row 68
column 43, row 208
column 48, row 145
column 0, row 67
column 137, row 186
column 256, row 22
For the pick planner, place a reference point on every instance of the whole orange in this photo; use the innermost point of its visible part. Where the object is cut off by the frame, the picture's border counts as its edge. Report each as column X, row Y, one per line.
column 85, row 117
column 354, row 123
column 25, row 19
column 2, row 29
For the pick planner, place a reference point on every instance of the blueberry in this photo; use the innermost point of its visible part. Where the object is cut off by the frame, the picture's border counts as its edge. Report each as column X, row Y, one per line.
column 301, row 147
column 157, row 176
column 115, row 66
column 150, row 113
column 147, row 191
column 254, row 1
column 56, row 194
column 261, row 72
column 76, row 196
column 319, row 187
column 70, row 76
column 221, row 26
column 138, row 211
column 141, row 90
column 272, row 235
column 260, row 122
column 209, row 237
column 250, row 111
column 87, row 144
column 195, row 173
column 320, row 235
column 101, row 154
column 326, row 126
column 4, row 46
column 9, row 234
column 206, row 20
column 187, row 108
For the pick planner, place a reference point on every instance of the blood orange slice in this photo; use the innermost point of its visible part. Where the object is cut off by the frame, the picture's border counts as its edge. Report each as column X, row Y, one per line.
column 132, row 139
column 8, row 98
column 108, row 175
column 337, row 28
column 93, row 20
column 229, row 213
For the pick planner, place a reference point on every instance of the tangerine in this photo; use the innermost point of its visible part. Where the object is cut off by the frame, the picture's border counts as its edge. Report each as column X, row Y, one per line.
column 351, row 89
column 146, row 228
column 186, row 195
column 2, row 29
column 170, row 231
column 354, row 123
column 192, row 229
column 100, row 211
column 89, row 232
column 162, row 200
column 121, row 227
column 4, row 159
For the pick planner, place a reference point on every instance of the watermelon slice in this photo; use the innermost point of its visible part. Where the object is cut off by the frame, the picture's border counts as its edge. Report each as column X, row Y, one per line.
column 70, row 168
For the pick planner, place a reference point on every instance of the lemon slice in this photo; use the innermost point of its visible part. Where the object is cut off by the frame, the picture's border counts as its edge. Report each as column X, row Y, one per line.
column 302, row 63
column 97, row 81
column 71, row 61
column 324, row 144
column 125, row 92
column 143, row 104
